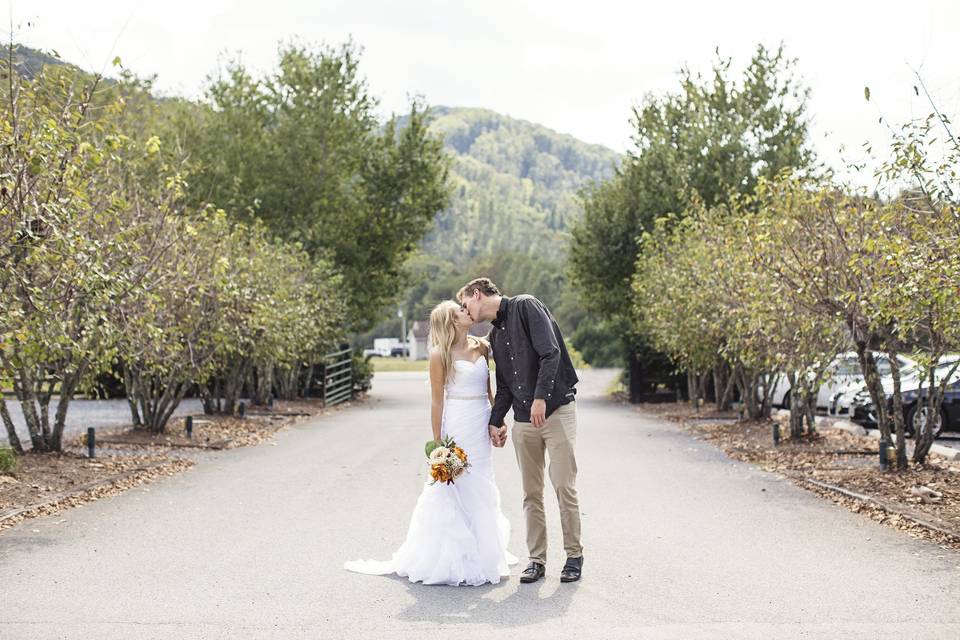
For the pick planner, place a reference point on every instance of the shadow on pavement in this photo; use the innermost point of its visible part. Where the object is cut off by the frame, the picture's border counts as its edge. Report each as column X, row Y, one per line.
column 526, row 605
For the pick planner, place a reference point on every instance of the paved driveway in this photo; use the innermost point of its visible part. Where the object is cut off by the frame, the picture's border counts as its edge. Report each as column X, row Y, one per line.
column 680, row 542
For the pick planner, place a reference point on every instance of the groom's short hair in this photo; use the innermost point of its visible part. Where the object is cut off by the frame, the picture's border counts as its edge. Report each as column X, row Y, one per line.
column 483, row 285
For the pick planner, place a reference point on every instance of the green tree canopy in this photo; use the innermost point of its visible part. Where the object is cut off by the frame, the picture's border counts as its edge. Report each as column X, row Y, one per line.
column 717, row 135
column 301, row 149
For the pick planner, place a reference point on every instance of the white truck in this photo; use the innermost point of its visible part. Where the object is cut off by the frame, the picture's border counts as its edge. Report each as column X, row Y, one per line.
column 383, row 347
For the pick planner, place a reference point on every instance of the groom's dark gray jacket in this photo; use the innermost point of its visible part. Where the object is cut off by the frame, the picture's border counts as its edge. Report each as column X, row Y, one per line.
column 532, row 359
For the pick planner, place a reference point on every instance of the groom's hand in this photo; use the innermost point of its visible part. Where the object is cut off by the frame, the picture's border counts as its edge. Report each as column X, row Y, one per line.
column 498, row 435
column 538, row 412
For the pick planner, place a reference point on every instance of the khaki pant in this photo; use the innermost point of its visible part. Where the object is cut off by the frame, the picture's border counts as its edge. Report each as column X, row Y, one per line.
column 558, row 438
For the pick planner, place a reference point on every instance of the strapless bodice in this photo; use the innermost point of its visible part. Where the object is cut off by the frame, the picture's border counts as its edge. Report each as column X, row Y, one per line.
column 470, row 378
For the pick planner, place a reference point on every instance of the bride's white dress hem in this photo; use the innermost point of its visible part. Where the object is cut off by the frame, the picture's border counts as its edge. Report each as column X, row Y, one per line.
column 457, row 533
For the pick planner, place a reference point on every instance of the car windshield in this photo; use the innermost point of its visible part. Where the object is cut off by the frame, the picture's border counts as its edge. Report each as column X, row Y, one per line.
column 850, row 368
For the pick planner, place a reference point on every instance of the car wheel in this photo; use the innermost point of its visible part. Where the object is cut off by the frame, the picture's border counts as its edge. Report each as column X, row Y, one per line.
column 916, row 418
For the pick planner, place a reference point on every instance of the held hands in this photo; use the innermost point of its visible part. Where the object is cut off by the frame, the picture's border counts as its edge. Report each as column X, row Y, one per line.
column 498, row 435
column 538, row 412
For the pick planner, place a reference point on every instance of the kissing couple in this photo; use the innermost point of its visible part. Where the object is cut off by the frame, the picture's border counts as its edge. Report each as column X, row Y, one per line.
column 458, row 534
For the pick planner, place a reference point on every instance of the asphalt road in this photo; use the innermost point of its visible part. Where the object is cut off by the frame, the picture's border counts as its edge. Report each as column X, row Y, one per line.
column 680, row 542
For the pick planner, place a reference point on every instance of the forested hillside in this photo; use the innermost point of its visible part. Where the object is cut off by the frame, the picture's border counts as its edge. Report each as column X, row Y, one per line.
column 28, row 62
column 515, row 186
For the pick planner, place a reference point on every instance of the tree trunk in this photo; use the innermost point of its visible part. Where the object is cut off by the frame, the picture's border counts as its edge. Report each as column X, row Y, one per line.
column 872, row 381
column 717, row 385
column 210, row 394
column 722, row 386
column 11, row 429
column 924, row 439
column 811, row 406
column 288, row 381
column 157, row 397
column 692, row 391
column 796, row 407
column 130, row 385
column 702, row 387
column 726, row 400
column 308, row 379
column 263, row 385
column 233, row 384
column 898, row 411
column 749, row 383
column 68, row 387
column 23, row 387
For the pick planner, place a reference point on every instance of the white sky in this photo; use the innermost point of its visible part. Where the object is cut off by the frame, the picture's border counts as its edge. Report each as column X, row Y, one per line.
column 576, row 67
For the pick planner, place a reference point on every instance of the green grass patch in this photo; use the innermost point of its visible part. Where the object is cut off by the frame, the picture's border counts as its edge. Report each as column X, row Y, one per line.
column 402, row 364
column 397, row 364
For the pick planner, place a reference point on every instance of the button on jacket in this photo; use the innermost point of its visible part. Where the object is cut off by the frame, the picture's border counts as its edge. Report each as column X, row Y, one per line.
column 532, row 359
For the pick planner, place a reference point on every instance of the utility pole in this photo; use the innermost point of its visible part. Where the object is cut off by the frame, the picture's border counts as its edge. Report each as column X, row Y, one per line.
column 403, row 338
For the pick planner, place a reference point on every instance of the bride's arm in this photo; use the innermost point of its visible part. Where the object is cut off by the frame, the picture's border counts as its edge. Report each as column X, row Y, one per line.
column 436, row 393
column 485, row 346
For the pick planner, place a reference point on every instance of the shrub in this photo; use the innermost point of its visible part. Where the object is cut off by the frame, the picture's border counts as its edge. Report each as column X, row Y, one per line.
column 8, row 460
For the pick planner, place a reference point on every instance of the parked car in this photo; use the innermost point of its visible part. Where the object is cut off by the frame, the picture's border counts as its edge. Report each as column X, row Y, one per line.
column 915, row 392
column 842, row 399
column 843, row 374
column 384, row 348
column 399, row 352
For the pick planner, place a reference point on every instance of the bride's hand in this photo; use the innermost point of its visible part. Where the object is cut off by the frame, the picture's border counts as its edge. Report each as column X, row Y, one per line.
column 498, row 435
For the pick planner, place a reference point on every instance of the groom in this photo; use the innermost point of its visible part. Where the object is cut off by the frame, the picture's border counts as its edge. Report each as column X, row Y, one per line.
column 536, row 378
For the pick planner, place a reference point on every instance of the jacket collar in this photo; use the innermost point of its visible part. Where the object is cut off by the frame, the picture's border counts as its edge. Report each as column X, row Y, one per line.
column 502, row 312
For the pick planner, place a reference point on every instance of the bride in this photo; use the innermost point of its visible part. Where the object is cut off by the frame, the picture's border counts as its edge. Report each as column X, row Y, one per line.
column 457, row 534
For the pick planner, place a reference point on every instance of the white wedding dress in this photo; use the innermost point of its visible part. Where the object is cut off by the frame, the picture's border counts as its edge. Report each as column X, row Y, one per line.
column 457, row 533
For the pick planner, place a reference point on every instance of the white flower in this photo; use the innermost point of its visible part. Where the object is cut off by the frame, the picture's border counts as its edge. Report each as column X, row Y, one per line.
column 439, row 455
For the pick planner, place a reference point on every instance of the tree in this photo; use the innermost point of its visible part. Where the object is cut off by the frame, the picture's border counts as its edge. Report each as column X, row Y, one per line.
column 301, row 150
column 73, row 244
column 925, row 257
column 716, row 136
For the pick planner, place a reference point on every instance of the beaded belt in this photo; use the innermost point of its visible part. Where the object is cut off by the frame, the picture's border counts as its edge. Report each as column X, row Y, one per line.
column 453, row 396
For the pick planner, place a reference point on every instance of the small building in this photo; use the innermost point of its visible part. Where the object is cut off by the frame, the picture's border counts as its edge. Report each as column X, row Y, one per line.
column 417, row 340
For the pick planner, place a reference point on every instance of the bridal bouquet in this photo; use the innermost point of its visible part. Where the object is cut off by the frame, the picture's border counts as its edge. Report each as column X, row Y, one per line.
column 447, row 460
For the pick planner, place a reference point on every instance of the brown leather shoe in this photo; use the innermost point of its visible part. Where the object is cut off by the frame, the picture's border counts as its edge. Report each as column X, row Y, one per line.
column 571, row 570
column 533, row 572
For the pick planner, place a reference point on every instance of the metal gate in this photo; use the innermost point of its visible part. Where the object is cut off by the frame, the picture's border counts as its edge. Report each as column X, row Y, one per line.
column 338, row 376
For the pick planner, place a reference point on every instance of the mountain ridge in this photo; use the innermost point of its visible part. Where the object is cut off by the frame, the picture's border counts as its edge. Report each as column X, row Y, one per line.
column 516, row 184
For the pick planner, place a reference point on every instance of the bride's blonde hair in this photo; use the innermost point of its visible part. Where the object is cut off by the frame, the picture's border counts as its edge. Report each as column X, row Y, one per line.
column 443, row 333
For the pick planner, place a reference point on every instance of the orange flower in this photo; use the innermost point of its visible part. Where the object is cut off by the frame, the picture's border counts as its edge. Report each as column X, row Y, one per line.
column 440, row 473
column 460, row 453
